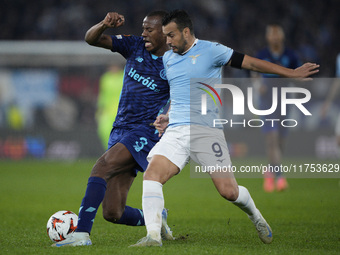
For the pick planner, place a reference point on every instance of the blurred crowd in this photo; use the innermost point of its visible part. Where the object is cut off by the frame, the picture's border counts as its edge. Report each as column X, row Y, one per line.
column 311, row 26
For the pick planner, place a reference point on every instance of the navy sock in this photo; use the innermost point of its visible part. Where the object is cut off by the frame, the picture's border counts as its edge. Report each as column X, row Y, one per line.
column 94, row 195
column 132, row 217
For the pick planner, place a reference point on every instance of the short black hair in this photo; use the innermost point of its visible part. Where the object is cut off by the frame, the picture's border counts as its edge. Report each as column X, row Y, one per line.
column 181, row 18
column 159, row 13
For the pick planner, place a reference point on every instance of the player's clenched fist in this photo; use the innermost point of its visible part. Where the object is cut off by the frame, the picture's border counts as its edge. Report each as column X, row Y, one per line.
column 114, row 19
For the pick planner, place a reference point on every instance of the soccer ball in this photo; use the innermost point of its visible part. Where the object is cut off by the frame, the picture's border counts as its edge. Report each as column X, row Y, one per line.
column 61, row 224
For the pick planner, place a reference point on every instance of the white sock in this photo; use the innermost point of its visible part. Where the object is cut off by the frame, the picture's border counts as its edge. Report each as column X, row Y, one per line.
column 246, row 203
column 153, row 205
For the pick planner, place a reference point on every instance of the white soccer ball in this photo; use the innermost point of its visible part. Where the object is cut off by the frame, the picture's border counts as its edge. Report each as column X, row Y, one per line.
column 61, row 224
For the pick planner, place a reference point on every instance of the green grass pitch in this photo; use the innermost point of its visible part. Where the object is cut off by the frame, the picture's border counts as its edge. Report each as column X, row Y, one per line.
column 305, row 219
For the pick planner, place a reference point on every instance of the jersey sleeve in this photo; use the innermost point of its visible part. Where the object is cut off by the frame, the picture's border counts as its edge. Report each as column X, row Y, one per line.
column 220, row 54
column 124, row 44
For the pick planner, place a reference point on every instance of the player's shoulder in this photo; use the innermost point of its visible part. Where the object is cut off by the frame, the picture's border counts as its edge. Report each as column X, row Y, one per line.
column 127, row 36
column 167, row 55
column 201, row 42
column 127, row 39
column 214, row 47
column 208, row 44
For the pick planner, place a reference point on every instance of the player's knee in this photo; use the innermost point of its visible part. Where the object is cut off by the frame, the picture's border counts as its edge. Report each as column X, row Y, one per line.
column 160, row 169
column 112, row 215
column 105, row 168
column 99, row 168
column 150, row 175
column 230, row 193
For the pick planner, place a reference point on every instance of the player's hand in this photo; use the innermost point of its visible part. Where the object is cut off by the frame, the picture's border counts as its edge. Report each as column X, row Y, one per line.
column 306, row 70
column 161, row 123
column 113, row 19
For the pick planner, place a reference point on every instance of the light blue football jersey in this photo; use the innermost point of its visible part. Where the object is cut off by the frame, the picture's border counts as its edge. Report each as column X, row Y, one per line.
column 191, row 73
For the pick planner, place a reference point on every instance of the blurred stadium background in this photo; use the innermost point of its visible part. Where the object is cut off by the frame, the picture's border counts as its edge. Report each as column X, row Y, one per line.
column 49, row 76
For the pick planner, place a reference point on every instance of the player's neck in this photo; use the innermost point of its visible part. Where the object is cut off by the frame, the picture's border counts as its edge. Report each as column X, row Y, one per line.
column 160, row 52
column 191, row 43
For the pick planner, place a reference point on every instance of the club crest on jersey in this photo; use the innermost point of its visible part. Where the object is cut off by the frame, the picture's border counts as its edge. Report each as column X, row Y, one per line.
column 194, row 58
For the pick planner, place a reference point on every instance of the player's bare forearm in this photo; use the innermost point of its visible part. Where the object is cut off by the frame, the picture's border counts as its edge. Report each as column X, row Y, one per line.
column 258, row 65
column 94, row 36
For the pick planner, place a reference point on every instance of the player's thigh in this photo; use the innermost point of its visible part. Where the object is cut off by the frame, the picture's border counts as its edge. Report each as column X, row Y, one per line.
column 160, row 169
column 113, row 162
column 169, row 156
column 214, row 155
column 117, row 190
column 209, row 147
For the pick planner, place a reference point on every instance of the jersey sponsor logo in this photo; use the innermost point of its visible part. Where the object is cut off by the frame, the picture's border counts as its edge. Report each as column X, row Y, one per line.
column 194, row 58
column 139, row 59
column 162, row 74
column 146, row 81
column 140, row 144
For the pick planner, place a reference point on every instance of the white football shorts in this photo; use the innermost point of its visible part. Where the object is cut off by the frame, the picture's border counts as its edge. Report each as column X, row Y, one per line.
column 204, row 145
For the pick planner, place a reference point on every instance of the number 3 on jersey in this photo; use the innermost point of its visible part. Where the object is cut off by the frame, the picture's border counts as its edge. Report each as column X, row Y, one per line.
column 140, row 144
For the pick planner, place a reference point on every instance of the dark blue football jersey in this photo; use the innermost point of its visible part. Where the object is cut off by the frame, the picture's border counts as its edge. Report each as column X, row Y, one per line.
column 145, row 87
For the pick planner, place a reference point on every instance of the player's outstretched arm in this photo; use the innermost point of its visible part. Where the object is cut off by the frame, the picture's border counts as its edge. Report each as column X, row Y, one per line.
column 262, row 66
column 94, row 36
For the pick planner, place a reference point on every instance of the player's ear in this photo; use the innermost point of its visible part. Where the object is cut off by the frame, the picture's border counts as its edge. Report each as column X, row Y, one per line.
column 186, row 32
